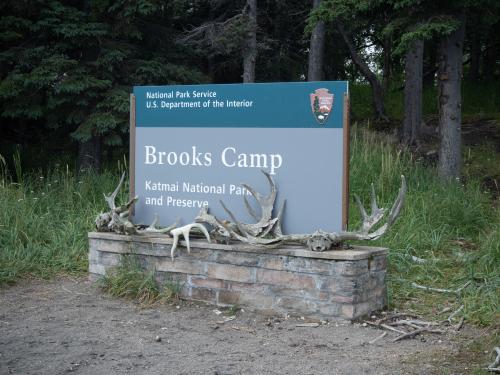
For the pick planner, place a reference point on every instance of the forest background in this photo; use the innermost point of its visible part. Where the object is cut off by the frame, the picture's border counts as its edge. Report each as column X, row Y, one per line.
column 425, row 102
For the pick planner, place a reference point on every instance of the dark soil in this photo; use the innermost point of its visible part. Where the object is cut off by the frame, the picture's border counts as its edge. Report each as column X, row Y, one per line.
column 69, row 326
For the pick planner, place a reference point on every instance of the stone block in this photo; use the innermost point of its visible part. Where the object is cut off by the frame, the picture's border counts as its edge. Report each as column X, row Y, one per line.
column 245, row 287
column 378, row 263
column 350, row 268
column 256, row 301
column 377, row 279
column 152, row 249
column 93, row 256
column 273, row 262
column 97, row 269
column 330, row 310
column 109, row 245
column 238, row 259
column 193, row 267
column 205, row 282
column 310, row 294
column 203, row 294
column 293, row 280
column 230, row 272
column 200, row 254
column 109, row 259
column 297, row 305
column 310, row 266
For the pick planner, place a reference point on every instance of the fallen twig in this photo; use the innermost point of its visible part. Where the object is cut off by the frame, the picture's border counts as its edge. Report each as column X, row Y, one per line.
column 244, row 329
column 310, row 325
column 404, row 322
column 446, row 309
column 431, row 289
column 397, row 315
column 377, row 338
column 416, row 332
column 380, row 325
column 457, row 291
column 452, row 315
column 460, row 324
column 415, row 322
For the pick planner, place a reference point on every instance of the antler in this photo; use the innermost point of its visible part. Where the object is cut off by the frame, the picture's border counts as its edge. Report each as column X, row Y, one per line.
column 249, row 233
column 267, row 231
column 116, row 220
column 369, row 221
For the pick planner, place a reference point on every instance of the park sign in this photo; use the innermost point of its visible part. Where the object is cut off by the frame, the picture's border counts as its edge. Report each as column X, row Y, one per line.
column 193, row 146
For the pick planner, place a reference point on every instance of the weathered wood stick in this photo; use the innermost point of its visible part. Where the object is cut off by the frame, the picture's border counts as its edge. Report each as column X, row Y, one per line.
column 452, row 315
column 406, row 323
column 377, row 338
column 457, row 291
column 460, row 324
column 397, row 315
column 416, row 332
column 431, row 289
column 384, row 326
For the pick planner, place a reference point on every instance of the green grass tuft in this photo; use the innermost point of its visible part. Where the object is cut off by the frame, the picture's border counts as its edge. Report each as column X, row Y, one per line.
column 129, row 280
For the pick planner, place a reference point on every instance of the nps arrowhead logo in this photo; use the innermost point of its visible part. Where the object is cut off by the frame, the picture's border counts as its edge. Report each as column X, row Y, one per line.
column 321, row 105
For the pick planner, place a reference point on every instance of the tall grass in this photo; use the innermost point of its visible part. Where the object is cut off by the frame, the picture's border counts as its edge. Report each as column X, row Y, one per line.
column 45, row 219
column 453, row 227
column 44, row 223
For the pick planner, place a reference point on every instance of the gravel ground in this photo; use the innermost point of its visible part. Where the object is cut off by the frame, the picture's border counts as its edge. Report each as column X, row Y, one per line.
column 69, row 326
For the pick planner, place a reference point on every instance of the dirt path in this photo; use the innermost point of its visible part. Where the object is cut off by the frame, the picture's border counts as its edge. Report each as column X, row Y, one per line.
column 66, row 326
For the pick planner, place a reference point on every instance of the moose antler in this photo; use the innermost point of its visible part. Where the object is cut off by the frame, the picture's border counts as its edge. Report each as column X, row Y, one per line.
column 258, row 232
column 267, row 231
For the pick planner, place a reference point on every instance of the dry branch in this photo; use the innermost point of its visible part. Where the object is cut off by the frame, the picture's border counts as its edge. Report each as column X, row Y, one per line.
column 381, row 325
column 416, row 332
column 457, row 291
column 454, row 313
column 377, row 338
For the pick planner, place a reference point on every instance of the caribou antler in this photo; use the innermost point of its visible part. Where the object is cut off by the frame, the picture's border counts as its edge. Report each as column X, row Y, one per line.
column 116, row 220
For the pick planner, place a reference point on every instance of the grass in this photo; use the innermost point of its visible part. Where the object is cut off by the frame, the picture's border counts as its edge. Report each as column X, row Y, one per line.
column 44, row 220
column 455, row 228
column 129, row 280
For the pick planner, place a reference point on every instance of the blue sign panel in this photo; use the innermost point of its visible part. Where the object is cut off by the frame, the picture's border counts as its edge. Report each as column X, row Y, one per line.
column 196, row 144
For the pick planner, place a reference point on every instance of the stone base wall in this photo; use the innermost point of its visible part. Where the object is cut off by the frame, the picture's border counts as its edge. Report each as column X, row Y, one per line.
column 344, row 284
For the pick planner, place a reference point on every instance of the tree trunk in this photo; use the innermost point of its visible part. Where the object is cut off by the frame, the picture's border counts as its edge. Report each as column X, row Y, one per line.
column 250, row 49
column 316, row 50
column 89, row 155
column 413, row 92
column 378, row 99
column 450, row 99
